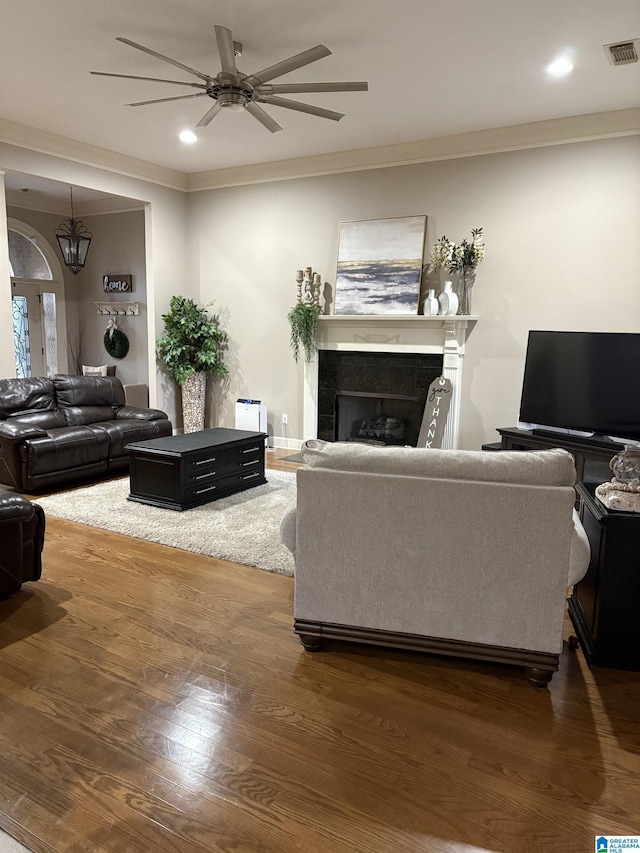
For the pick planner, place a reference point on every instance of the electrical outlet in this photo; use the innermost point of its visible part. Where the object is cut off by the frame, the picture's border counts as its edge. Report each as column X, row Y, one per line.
column 285, row 420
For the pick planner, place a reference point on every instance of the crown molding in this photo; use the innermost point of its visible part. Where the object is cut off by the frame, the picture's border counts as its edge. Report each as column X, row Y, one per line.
column 44, row 142
column 99, row 207
column 34, row 201
column 513, row 138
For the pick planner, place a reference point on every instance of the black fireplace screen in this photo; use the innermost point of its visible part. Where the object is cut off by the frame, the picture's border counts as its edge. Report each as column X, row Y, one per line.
column 373, row 397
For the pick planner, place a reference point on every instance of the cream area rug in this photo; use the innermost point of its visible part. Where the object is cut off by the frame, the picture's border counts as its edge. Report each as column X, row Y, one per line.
column 10, row 845
column 242, row 528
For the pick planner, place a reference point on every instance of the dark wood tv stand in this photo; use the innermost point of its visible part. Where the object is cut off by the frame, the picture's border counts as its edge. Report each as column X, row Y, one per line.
column 591, row 456
column 604, row 605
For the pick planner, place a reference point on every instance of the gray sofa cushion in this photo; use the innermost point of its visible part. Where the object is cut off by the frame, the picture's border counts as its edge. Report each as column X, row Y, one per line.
column 480, row 562
column 535, row 468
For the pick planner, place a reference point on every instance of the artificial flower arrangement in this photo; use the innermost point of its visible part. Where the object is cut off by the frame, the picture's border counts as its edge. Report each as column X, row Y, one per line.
column 458, row 257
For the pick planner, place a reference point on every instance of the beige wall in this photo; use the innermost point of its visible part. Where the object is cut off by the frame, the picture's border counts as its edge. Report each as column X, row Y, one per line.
column 117, row 248
column 561, row 226
column 7, row 356
column 165, row 232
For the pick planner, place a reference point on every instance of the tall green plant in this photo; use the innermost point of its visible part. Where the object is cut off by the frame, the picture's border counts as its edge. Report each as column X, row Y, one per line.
column 303, row 319
column 193, row 341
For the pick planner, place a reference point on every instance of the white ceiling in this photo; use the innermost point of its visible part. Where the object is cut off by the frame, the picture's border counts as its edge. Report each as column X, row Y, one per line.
column 434, row 67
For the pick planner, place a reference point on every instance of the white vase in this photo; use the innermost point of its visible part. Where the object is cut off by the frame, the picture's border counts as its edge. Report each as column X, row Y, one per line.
column 430, row 305
column 448, row 300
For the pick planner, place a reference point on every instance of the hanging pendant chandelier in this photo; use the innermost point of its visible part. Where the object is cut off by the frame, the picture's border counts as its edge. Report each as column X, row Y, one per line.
column 74, row 240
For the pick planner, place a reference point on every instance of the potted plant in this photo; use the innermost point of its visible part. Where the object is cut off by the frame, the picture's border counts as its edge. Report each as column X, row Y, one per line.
column 303, row 319
column 192, row 348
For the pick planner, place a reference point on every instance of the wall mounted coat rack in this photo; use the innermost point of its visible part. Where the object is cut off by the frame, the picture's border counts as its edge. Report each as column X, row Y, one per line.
column 131, row 309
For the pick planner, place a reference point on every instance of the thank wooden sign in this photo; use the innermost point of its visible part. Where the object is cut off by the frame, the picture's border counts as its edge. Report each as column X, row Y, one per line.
column 435, row 413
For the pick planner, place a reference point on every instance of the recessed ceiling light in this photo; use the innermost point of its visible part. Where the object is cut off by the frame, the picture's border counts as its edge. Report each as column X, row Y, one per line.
column 560, row 67
column 188, row 137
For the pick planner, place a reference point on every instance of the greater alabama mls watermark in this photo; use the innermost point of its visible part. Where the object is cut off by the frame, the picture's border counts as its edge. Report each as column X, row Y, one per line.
column 617, row 843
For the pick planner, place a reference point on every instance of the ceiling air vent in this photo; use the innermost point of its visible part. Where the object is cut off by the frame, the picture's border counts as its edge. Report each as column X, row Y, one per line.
column 622, row 52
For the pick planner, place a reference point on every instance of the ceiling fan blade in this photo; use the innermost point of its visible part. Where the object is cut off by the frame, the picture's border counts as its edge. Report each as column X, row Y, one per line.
column 290, row 88
column 302, row 108
column 226, row 51
column 161, row 100
column 287, row 65
column 263, row 117
column 154, row 79
column 206, row 77
column 209, row 116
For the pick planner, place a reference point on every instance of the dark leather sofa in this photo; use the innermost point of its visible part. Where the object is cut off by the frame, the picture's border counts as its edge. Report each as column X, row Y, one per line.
column 21, row 541
column 53, row 430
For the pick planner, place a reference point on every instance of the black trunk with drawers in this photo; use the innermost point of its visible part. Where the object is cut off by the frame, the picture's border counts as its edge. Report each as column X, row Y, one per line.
column 183, row 471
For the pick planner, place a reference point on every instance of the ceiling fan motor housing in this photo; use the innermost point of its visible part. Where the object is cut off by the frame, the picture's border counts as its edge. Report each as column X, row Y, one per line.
column 231, row 96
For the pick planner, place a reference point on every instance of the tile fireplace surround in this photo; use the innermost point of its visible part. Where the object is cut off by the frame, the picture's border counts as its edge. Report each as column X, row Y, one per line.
column 393, row 333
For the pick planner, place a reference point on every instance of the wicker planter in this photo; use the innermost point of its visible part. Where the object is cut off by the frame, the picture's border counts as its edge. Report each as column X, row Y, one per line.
column 193, row 394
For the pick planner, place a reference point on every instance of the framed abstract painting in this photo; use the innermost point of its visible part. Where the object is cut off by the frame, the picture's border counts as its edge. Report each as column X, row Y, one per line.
column 380, row 265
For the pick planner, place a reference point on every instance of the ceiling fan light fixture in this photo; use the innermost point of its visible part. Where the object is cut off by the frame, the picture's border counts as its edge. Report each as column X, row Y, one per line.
column 188, row 137
column 235, row 102
column 560, row 67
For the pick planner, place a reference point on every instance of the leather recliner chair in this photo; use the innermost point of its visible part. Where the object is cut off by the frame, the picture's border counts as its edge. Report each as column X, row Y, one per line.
column 22, row 526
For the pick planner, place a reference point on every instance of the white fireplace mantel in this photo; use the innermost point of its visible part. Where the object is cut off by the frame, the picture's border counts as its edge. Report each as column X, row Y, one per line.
column 401, row 333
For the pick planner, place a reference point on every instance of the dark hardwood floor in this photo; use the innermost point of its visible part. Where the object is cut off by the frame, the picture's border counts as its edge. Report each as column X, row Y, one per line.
column 157, row 700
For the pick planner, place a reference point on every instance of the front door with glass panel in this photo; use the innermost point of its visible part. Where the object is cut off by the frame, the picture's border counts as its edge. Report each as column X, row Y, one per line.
column 27, row 330
column 37, row 307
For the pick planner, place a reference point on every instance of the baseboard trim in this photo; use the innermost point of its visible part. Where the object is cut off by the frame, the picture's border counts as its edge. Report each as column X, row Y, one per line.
column 280, row 443
column 540, row 666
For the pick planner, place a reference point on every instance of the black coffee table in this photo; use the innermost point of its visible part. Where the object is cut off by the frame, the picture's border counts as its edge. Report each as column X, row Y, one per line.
column 183, row 471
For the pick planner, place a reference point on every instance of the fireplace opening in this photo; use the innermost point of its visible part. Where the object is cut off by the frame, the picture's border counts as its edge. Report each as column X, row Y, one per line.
column 378, row 418
column 374, row 396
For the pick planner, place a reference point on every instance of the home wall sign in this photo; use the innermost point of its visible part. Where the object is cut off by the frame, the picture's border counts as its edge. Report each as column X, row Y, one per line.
column 117, row 283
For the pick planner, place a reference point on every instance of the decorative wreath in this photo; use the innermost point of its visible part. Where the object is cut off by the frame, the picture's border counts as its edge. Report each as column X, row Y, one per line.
column 116, row 342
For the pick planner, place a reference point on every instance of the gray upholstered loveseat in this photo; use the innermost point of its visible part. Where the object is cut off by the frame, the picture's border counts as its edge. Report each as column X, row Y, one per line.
column 57, row 429
column 466, row 553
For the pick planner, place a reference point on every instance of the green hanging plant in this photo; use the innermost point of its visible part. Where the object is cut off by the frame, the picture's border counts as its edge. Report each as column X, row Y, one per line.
column 193, row 341
column 303, row 319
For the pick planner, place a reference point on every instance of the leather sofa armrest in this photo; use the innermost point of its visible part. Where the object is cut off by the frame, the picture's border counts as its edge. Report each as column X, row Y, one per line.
column 22, row 528
column 13, row 441
column 15, row 431
column 14, row 508
column 135, row 413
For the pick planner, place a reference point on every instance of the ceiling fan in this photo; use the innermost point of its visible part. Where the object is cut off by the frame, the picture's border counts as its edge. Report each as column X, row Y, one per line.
column 232, row 90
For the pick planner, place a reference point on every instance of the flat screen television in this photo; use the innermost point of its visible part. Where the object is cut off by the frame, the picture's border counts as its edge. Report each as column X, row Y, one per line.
column 584, row 382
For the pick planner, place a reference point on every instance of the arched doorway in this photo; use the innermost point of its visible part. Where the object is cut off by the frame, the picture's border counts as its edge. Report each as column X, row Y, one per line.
column 38, row 303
